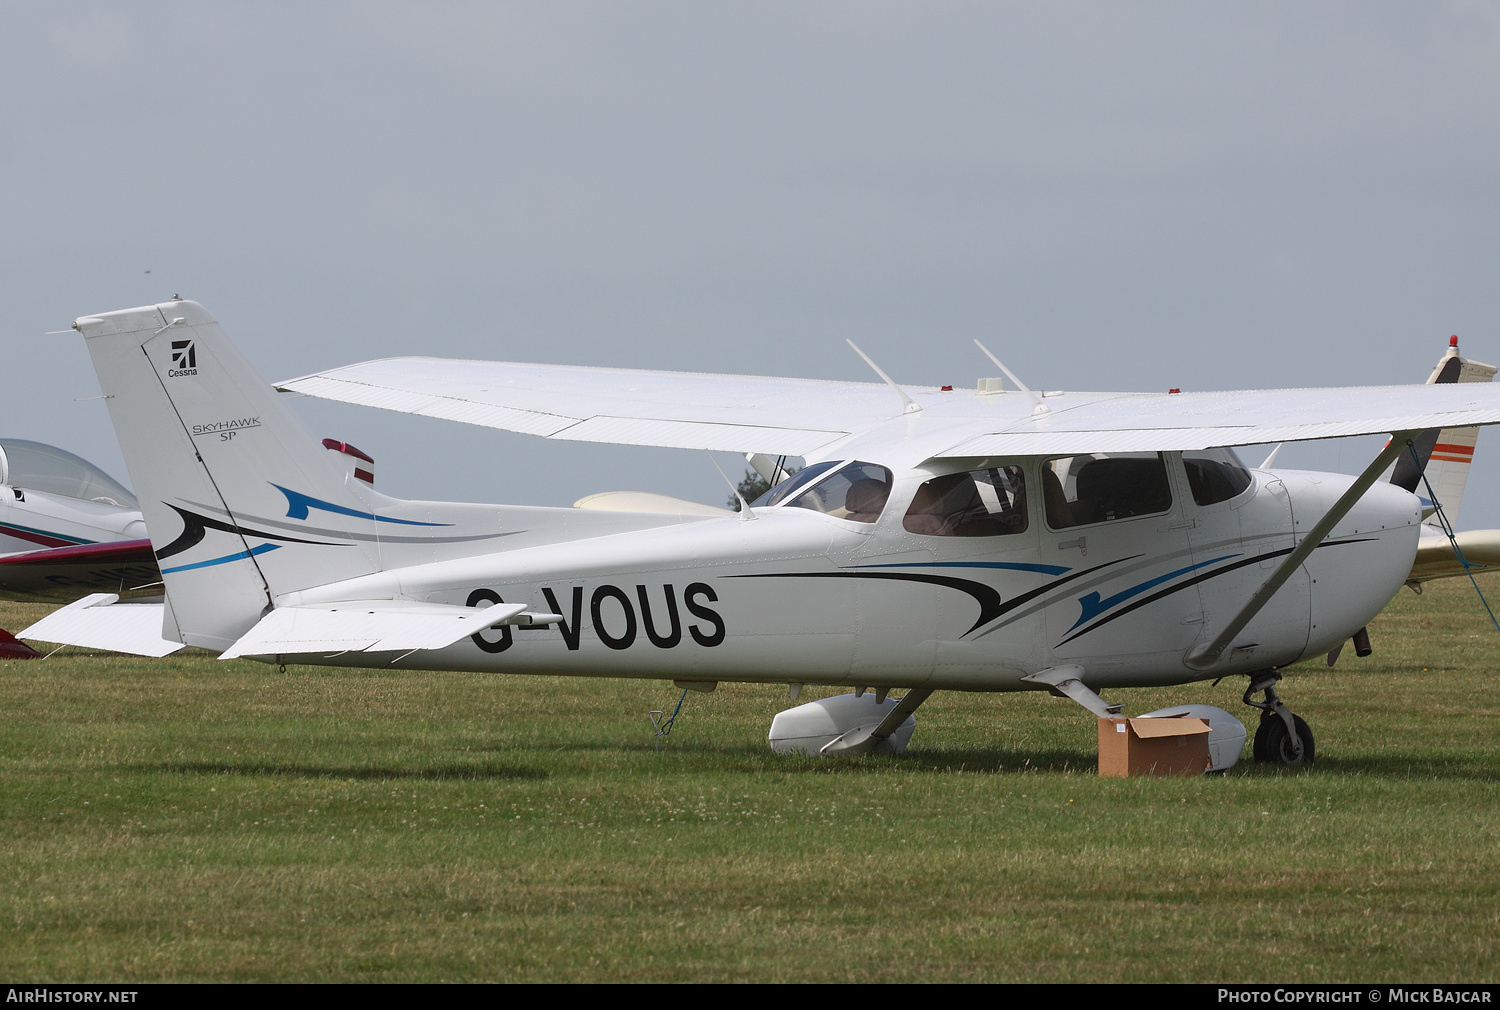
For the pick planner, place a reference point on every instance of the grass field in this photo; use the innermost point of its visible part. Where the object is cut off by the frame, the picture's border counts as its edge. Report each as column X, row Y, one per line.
column 185, row 819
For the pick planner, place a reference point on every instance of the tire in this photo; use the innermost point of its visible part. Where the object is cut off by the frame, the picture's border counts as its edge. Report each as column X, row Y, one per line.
column 1273, row 745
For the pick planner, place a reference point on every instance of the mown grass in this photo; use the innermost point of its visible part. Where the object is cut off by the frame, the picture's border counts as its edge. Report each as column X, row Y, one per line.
column 186, row 819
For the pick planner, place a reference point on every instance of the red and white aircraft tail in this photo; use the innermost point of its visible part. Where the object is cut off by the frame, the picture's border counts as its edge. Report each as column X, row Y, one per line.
column 1447, row 473
column 1453, row 452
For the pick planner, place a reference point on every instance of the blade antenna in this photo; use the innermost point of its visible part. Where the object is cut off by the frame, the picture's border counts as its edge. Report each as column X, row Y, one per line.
column 745, row 514
column 1037, row 406
column 912, row 406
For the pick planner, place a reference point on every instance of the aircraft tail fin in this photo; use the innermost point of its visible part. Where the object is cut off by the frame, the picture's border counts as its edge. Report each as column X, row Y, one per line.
column 1445, row 454
column 242, row 503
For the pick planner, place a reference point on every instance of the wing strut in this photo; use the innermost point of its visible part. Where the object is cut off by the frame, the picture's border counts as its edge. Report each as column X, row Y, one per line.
column 1205, row 656
column 862, row 741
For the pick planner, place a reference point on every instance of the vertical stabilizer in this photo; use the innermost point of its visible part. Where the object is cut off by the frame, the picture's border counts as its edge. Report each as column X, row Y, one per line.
column 1453, row 450
column 242, row 503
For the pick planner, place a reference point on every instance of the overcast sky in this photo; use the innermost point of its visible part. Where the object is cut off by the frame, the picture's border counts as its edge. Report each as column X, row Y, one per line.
column 1111, row 196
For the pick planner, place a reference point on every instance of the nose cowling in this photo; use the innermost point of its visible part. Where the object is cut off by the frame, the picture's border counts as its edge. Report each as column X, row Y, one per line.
column 1363, row 561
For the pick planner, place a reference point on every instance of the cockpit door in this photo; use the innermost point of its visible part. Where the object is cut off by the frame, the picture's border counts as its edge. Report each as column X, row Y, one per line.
column 1119, row 525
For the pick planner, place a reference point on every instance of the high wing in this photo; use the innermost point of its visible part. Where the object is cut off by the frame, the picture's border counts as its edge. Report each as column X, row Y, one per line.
column 804, row 417
column 737, row 413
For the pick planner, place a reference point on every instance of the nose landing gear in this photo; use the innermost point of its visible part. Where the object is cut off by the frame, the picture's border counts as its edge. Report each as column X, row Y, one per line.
column 1282, row 738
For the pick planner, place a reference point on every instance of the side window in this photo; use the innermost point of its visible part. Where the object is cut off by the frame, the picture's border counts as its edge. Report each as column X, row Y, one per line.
column 1215, row 475
column 980, row 503
column 856, row 492
column 1080, row 490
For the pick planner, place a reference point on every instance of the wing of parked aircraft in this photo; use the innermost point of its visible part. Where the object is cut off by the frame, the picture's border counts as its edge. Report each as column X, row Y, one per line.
column 803, row 417
column 67, row 572
column 688, row 410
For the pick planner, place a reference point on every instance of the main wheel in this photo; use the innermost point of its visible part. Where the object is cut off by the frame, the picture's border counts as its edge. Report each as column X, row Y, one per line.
column 1273, row 744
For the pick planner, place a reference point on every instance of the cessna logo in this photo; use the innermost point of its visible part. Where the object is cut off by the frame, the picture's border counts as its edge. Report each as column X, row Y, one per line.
column 184, row 358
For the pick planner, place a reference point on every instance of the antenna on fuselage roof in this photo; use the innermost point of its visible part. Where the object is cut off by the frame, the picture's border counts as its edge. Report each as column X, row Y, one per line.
column 1037, row 406
column 912, row 406
column 745, row 514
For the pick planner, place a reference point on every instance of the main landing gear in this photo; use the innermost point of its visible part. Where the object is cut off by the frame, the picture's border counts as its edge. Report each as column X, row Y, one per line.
column 1282, row 738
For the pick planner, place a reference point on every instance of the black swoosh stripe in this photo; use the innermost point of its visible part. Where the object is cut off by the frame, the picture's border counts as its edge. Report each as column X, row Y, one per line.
column 194, row 527
column 990, row 603
column 1027, row 597
column 988, row 599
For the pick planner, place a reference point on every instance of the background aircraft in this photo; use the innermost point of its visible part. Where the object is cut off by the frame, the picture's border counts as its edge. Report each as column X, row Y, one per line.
column 938, row 539
column 67, row 527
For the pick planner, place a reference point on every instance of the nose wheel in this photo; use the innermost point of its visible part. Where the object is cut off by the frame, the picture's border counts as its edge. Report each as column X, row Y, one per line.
column 1282, row 738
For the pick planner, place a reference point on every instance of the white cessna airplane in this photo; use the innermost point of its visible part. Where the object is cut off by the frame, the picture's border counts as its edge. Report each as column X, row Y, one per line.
column 979, row 540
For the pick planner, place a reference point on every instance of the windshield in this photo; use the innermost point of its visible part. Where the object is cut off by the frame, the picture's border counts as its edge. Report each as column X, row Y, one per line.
column 46, row 468
column 793, row 484
column 857, row 492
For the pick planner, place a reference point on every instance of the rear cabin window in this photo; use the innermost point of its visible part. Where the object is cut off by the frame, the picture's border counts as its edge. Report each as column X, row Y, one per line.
column 1215, row 475
column 1103, row 487
column 980, row 503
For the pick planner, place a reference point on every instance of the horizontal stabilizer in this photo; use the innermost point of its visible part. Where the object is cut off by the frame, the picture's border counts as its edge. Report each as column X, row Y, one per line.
column 375, row 626
column 100, row 621
column 1436, row 560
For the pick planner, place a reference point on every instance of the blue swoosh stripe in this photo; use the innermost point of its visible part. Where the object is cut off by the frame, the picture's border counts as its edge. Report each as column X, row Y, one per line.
column 240, row 556
column 298, row 503
column 1092, row 606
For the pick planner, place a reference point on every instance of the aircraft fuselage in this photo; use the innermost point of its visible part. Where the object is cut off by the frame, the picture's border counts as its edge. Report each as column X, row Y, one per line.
column 802, row 596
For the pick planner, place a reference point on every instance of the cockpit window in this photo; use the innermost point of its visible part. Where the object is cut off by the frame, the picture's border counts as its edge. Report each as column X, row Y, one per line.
column 1080, row 490
column 793, row 484
column 856, row 492
column 38, row 467
column 1215, row 475
column 980, row 503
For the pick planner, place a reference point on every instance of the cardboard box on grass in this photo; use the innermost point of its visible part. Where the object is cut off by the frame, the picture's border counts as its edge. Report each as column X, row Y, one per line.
column 1176, row 746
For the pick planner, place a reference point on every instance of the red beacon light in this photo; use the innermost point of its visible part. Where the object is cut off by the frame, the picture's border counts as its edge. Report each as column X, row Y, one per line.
column 1174, row 390
column 1453, row 340
column 947, row 389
